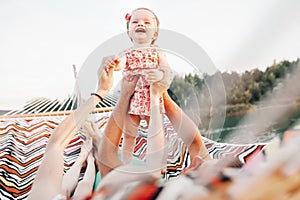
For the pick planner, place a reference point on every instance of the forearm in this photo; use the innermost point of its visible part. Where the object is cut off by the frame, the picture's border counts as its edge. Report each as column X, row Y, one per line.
column 112, row 136
column 155, row 135
column 50, row 172
column 197, row 147
column 185, row 128
column 156, row 140
column 66, row 130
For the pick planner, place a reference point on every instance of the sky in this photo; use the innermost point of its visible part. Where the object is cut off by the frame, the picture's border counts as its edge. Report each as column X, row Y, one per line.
column 41, row 40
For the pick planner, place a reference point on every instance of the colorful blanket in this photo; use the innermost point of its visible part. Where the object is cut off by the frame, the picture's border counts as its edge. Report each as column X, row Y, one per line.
column 23, row 142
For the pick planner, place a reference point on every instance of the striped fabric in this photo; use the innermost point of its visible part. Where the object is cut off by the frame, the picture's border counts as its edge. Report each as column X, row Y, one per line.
column 23, row 142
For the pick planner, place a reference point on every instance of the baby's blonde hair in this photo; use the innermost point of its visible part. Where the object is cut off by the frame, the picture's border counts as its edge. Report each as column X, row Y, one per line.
column 156, row 19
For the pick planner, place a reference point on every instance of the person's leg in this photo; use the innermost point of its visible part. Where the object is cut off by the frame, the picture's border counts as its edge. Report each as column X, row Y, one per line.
column 70, row 178
column 85, row 186
column 129, row 134
column 47, row 174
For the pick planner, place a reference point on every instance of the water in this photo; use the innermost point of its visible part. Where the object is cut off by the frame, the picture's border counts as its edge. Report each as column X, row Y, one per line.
column 237, row 124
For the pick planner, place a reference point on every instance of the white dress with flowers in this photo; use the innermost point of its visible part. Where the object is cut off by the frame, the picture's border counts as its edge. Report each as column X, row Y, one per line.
column 137, row 62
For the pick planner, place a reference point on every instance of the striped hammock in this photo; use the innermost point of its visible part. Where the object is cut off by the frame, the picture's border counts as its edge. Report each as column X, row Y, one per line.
column 24, row 135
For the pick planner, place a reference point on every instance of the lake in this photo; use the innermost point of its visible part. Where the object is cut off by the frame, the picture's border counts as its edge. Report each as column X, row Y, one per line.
column 260, row 125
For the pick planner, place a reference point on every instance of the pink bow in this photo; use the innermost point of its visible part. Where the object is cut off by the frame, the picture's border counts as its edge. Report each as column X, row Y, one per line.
column 127, row 17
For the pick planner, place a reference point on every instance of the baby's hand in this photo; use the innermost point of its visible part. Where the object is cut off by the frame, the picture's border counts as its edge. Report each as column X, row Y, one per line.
column 111, row 62
column 118, row 67
column 154, row 75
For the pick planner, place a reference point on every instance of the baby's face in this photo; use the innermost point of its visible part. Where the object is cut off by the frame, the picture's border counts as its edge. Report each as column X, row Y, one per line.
column 142, row 27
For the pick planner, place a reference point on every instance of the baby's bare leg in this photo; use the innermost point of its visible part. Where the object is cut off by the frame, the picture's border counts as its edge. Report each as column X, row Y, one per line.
column 129, row 134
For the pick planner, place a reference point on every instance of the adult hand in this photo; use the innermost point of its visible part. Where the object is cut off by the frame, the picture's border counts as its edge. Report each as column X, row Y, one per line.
column 161, row 86
column 202, row 168
column 105, row 75
column 154, row 75
column 127, row 87
column 168, row 76
column 196, row 162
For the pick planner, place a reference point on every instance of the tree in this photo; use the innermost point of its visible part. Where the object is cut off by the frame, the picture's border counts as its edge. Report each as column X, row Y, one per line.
column 255, row 93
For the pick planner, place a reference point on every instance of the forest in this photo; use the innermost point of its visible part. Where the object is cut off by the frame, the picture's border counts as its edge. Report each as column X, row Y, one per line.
column 243, row 90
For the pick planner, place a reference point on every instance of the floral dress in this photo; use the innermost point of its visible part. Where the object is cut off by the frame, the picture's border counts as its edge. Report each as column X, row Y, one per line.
column 137, row 62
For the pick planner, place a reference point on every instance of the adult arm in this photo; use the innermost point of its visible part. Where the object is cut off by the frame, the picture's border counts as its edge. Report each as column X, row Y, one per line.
column 48, row 181
column 185, row 128
column 156, row 148
column 156, row 144
column 107, row 159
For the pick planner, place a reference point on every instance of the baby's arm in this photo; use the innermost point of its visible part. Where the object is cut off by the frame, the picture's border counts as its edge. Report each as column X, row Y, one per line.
column 162, row 59
column 164, row 66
